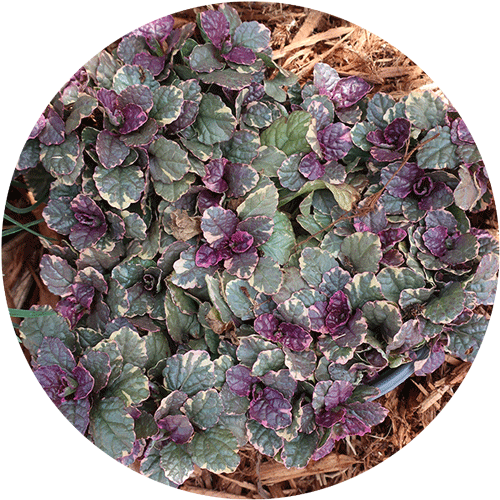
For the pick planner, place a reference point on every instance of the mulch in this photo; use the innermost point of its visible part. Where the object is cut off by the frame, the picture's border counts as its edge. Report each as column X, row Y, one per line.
column 300, row 38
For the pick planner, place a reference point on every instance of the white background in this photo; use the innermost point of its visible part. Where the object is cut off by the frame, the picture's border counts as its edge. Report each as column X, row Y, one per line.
column 44, row 43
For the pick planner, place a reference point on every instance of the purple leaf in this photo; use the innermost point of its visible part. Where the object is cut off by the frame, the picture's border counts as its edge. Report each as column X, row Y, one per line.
column 240, row 178
column 177, row 427
column 423, row 186
column 397, row 132
column 260, row 227
column 389, row 237
column 338, row 393
column 294, row 337
column 311, row 167
column 239, row 380
column 157, row 30
column 53, row 132
column 154, row 64
column 91, row 225
column 110, row 150
column 71, row 309
column 441, row 196
column 325, row 78
column 214, row 175
column 189, row 112
column 353, row 333
column 401, row 185
column 271, row 409
column 240, row 55
column 328, row 419
column 435, row 240
column 385, row 155
column 55, row 382
column 85, row 382
column 348, row 91
column 207, row 256
column 241, row 241
column 338, row 312
column 207, row 199
column 39, row 125
column 266, row 325
column 218, row 225
column 215, row 25
column 335, row 141
column 133, row 118
column 242, row 265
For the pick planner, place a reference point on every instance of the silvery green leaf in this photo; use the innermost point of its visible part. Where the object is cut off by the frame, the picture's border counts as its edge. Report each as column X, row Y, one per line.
column 465, row 340
column 168, row 162
column 282, row 240
column 214, row 291
column 215, row 449
column 167, row 104
column 233, row 404
column 440, row 152
column 294, row 311
column 120, row 186
column 425, row 110
column 112, row 350
column 237, row 425
column 314, row 263
column 135, row 226
column 173, row 191
column 298, row 451
column 413, row 296
column 269, row 360
column 61, row 159
column 289, row 134
column 57, row 274
column 377, row 107
column 362, row 252
column 240, row 296
column 445, row 307
column 151, row 467
column 132, row 386
column 176, row 462
column 289, row 175
column 203, row 59
column 268, row 160
column 264, row 440
column 187, row 274
column 242, row 147
column 250, row 347
column 215, row 121
column 221, row 365
column 267, row 276
column 261, row 200
column 111, row 427
column 157, row 348
column 204, row 408
column 292, row 282
column 132, row 346
column 129, row 75
column 393, row 280
column 301, row 364
column 189, row 372
column 34, row 330
column 179, row 325
column 252, row 35
column 83, row 107
column 383, row 317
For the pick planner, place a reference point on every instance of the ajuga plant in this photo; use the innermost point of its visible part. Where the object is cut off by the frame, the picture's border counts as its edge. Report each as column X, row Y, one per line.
column 241, row 256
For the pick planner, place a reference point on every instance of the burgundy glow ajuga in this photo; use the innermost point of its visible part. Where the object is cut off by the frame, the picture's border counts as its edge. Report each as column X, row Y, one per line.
column 211, row 292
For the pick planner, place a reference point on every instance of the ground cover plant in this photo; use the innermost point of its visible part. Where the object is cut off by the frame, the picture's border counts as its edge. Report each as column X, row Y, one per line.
column 242, row 256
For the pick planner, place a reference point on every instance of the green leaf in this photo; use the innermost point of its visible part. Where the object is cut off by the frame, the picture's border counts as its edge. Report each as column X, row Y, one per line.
column 167, row 104
column 215, row 450
column 112, row 428
column 228, row 78
column 204, row 408
column 168, row 162
column 440, row 152
column 264, row 440
column 383, row 317
column 269, row 360
column 60, row 159
column 215, row 121
column 314, row 262
column 180, row 326
column 466, row 339
column 133, row 75
column 425, row 110
column 290, row 135
column 282, row 241
column 83, row 107
column 261, row 200
column 57, row 274
column 203, row 59
column 214, row 291
column 363, row 288
column 176, row 462
column 120, row 186
column 268, row 160
column 132, row 386
column 301, row 364
column 173, row 191
column 362, row 251
column 43, row 322
column 298, row 451
column 240, row 297
column 151, row 467
column 132, row 346
column 394, row 280
column 190, row 372
column 447, row 305
column 294, row 311
column 345, row 195
column 267, row 276
column 252, row 35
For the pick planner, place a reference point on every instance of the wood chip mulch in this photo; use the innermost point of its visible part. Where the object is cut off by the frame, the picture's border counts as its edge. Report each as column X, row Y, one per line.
column 301, row 38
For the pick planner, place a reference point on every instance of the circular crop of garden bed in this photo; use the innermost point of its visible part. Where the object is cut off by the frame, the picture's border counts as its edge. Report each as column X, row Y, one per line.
column 231, row 238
